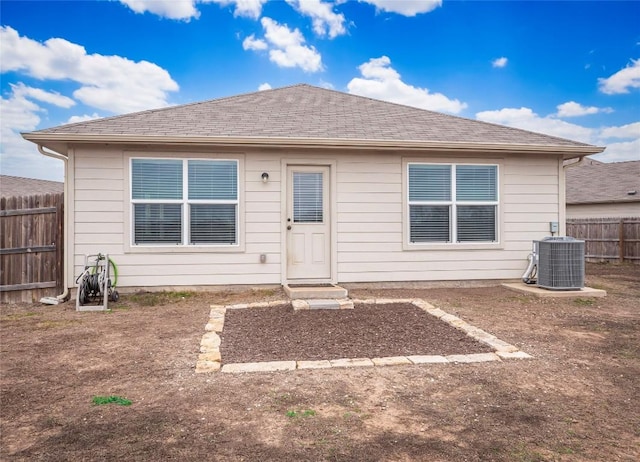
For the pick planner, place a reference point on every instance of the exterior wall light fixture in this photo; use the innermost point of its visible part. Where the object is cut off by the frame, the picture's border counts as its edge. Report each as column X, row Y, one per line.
column 265, row 177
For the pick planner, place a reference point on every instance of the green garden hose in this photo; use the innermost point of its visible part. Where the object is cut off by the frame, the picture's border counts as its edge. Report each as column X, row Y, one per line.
column 113, row 273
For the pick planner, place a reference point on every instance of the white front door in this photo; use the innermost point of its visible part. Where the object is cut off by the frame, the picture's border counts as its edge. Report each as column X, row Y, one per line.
column 308, row 223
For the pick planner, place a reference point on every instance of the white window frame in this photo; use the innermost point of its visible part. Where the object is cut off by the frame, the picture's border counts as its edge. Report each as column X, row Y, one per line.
column 452, row 205
column 185, row 202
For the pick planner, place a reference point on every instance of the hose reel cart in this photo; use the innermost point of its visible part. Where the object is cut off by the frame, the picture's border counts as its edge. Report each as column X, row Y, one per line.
column 95, row 286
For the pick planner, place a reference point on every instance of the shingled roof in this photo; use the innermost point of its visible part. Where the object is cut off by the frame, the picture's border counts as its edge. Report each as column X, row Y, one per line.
column 597, row 182
column 305, row 114
column 19, row 186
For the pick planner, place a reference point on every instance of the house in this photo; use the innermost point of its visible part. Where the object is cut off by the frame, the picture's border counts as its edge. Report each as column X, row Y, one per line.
column 306, row 185
column 599, row 190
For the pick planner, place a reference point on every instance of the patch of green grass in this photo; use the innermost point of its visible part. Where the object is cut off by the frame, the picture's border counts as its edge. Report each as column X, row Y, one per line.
column 523, row 299
column 584, row 301
column 113, row 399
column 283, row 397
column 16, row 316
column 296, row 414
column 524, row 454
column 264, row 292
column 628, row 353
column 55, row 324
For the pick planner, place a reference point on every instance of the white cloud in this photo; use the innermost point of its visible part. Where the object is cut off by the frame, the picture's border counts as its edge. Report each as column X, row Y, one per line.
column 280, row 35
column 526, row 119
column 246, row 8
column 50, row 97
column 500, row 62
column 170, row 9
column 620, row 152
column 111, row 83
column 252, row 43
column 286, row 47
column 327, row 85
column 83, row 118
column 325, row 21
column 573, row 109
column 628, row 131
column 622, row 81
column 186, row 9
column 405, row 7
column 381, row 81
column 18, row 156
column 264, row 86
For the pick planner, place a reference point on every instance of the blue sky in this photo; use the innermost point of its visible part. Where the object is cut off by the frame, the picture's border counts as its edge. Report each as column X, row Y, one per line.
column 570, row 69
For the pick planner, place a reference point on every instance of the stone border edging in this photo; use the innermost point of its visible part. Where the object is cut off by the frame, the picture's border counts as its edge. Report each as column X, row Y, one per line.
column 210, row 360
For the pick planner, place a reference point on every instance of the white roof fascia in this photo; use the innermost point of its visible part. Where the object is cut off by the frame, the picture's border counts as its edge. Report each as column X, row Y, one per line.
column 335, row 143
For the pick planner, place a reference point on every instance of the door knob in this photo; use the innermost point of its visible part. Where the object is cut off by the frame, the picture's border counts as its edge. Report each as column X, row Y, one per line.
column 289, row 227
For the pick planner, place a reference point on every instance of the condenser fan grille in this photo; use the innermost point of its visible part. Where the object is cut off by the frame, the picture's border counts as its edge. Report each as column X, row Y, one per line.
column 560, row 263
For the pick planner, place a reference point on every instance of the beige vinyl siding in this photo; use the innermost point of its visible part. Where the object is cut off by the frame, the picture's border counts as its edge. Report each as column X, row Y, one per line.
column 100, row 207
column 368, row 211
column 531, row 200
column 370, row 223
column 613, row 210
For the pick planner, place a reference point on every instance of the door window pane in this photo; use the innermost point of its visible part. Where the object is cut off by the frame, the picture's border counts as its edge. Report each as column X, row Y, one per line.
column 307, row 197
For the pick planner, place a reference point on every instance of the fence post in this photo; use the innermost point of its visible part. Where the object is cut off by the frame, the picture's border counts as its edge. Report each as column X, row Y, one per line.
column 621, row 239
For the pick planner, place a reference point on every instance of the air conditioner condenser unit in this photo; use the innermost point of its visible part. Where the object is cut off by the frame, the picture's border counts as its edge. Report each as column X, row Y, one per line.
column 560, row 263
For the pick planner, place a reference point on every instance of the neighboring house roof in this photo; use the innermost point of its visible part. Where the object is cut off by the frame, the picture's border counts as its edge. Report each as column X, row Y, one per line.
column 597, row 182
column 308, row 116
column 18, row 186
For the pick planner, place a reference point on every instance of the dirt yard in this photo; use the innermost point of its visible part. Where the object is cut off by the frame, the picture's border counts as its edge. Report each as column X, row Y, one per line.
column 577, row 400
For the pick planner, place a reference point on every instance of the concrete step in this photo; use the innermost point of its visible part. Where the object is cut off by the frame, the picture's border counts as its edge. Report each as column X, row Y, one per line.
column 318, row 292
column 323, row 304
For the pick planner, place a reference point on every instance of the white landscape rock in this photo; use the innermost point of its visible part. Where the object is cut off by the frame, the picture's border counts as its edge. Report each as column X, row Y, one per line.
column 210, row 342
column 270, row 366
column 351, row 362
column 514, row 355
column 473, row 358
column 321, row 364
column 207, row 366
column 391, row 361
column 427, row 359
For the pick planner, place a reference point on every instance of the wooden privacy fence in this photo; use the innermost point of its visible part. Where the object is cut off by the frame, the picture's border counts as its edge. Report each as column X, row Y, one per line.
column 32, row 248
column 608, row 239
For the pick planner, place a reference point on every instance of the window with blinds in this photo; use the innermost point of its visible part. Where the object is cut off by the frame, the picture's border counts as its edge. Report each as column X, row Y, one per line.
column 452, row 203
column 184, row 201
column 307, row 197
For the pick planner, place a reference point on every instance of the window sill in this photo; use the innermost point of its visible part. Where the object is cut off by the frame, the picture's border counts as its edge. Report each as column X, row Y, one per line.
column 453, row 246
column 184, row 249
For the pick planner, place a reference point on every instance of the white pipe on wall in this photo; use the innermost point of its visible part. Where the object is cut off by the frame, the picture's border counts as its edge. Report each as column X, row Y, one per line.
column 64, row 296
